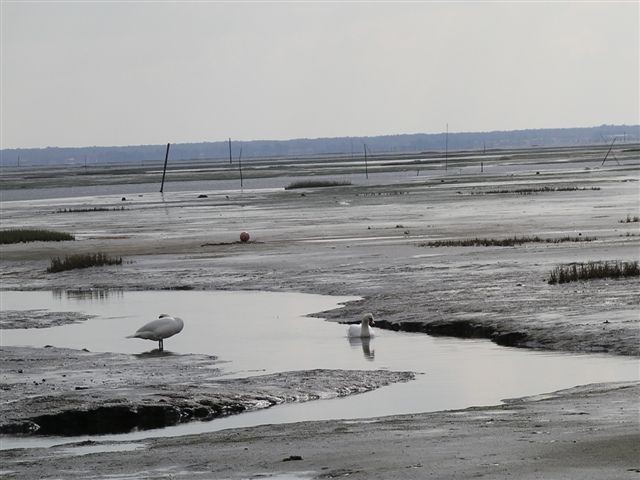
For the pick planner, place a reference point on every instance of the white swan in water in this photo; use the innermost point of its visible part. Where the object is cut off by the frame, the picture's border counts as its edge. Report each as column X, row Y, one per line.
column 164, row 327
column 362, row 330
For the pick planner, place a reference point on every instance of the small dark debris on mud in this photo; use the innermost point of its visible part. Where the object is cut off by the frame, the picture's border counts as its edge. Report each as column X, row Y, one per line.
column 292, row 458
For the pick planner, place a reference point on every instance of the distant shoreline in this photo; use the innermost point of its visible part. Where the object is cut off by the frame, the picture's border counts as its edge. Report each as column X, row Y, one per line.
column 338, row 146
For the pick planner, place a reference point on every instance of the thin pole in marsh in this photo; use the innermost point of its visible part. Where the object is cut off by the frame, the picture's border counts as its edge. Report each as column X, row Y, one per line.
column 608, row 151
column 230, row 159
column 366, row 167
column 164, row 171
column 240, row 166
column 446, row 148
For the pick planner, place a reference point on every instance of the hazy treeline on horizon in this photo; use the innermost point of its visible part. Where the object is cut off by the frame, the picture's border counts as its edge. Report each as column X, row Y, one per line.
column 403, row 143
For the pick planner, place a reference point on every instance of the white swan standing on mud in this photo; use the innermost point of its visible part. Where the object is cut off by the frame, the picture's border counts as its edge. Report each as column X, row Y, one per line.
column 164, row 327
column 362, row 330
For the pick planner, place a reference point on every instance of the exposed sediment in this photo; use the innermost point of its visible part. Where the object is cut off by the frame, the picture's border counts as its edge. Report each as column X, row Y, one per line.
column 358, row 241
column 353, row 246
column 12, row 319
column 460, row 329
column 55, row 391
column 588, row 433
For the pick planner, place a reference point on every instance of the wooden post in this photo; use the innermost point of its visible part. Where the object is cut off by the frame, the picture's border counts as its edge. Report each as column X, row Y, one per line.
column 609, row 151
column 446, row 148
column 366, row 168
column 230, row 159
column 240, row 166
column 481, row 167
column 164, row 171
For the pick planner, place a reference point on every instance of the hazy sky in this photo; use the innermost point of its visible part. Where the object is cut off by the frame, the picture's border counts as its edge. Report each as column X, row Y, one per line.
column 116, row 73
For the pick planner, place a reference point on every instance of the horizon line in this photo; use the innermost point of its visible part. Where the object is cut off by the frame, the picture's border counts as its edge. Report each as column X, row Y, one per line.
column 320, row 138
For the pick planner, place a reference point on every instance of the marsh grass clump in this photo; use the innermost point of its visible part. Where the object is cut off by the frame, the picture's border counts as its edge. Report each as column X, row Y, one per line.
column 529, row 191
column 503, row 242
column 630, row 219
column 317, row 184
column 18, row 235
column 593, row 270
column 82, row 260
column 93, row 209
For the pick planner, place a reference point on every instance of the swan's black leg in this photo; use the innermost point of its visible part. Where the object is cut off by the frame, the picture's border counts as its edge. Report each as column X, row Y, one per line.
column 160, row 346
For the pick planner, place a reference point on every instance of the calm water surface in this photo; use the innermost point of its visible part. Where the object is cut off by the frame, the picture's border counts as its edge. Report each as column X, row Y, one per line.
column 259, row 333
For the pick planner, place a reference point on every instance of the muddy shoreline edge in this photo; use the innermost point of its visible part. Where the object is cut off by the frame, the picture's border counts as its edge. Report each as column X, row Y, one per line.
column 588, row 432
column 65, row 392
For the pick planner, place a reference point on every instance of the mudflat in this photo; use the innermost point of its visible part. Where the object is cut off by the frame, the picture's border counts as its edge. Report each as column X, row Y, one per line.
column 586, row 433
column 373, row 240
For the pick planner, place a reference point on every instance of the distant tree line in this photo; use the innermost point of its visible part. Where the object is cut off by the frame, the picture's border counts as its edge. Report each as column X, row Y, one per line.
column 405, row 143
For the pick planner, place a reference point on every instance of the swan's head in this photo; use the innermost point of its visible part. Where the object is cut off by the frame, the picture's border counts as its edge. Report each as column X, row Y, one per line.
column 164, row 315
column 368, row 319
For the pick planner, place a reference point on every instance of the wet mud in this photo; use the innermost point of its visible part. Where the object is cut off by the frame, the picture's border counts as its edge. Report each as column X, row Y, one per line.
column 12, row 319
column 589, row 432
column 460, row 329
column 54, row 391
column 346, row 241
column 363, row 240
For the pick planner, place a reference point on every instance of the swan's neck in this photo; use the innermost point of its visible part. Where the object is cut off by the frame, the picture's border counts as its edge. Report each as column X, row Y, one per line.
column 365, row 325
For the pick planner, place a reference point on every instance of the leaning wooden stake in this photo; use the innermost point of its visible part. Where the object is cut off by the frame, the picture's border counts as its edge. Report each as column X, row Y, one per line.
column 164, row 171
column 608, row 151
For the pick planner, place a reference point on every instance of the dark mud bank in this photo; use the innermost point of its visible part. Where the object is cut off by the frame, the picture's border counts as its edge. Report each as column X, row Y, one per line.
column 120, row 418
column 55, row 391
column 601, row 330
column 461, row 329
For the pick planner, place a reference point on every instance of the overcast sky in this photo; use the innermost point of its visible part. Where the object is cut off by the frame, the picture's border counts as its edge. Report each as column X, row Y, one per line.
column 115, row 73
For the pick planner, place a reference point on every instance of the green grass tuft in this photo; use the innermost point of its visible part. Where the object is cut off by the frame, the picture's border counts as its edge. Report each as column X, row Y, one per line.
column 82, row 260
column 529, row 191
column 92, row 209
column 593, row 270
column 630, row 219
column 503, row 242
column 317, row 184
column 17, row 235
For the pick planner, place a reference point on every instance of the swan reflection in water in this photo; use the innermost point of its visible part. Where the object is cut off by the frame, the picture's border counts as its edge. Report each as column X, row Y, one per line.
column 365, row 342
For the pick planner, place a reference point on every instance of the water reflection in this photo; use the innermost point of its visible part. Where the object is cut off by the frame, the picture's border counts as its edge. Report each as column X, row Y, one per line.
column 89, row 294
column 365, row 343
column 155, row 353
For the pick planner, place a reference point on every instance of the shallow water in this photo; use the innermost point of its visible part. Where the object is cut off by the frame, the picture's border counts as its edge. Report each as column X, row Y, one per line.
column 259, row 333
column 201, row 186
column 460, row 165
